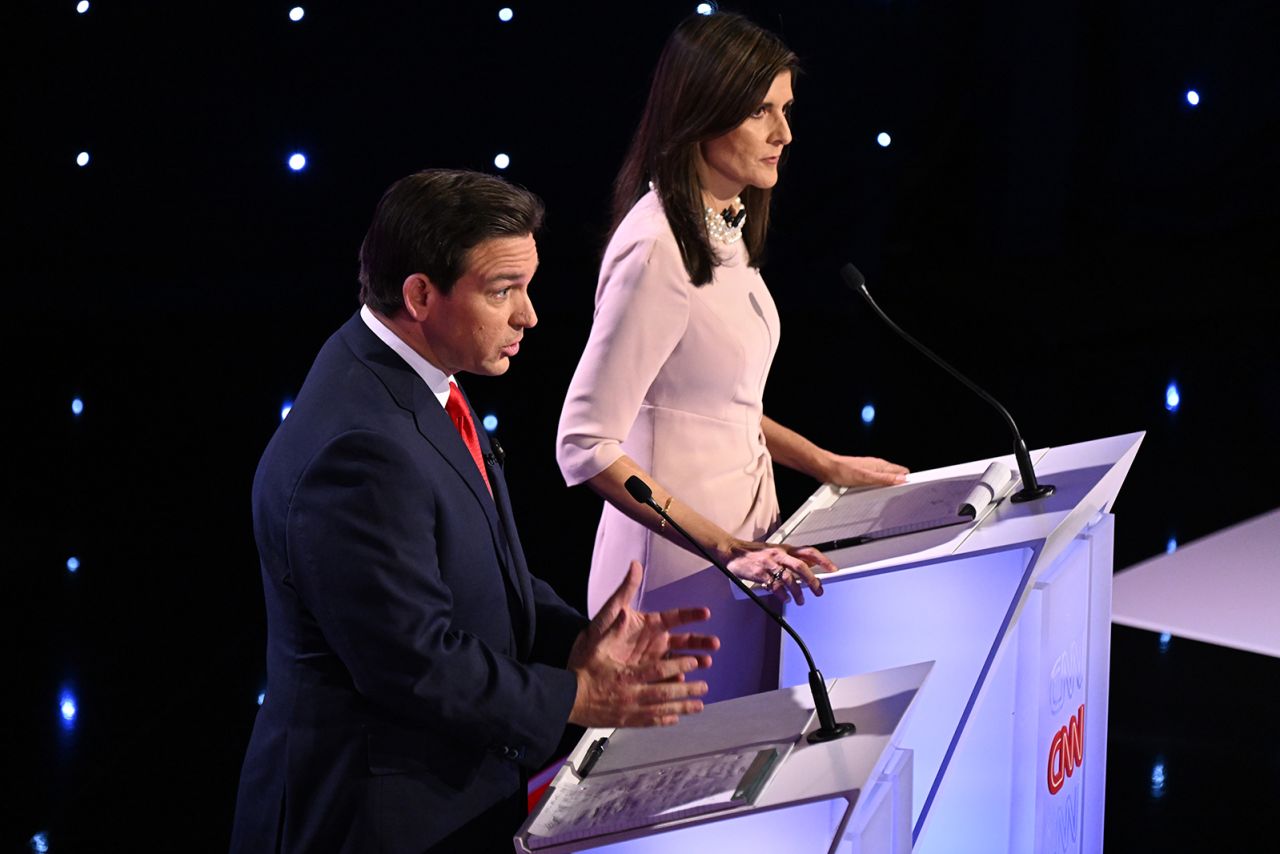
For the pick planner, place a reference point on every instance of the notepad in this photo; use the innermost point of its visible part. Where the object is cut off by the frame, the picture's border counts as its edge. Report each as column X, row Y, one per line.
column 873, row 514
column 631, row 798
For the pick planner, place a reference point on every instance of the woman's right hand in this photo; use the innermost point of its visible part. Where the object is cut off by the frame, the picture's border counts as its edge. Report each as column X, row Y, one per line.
column 784, row 570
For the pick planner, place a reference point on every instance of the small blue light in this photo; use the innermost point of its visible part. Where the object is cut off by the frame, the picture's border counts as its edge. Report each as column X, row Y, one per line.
column 1171, row 546
column 286, row 409
column 297, row 13
column 82, row 6
column 73, row 563
column 77, row 406
column 705, row 9
column 868, row 414
column 1157, row 779
column 1193, row 97
column 490, row 423
column 884, row 139
column 505, row 14
column 1172, row 399
column 67, row 706
column 1165, row 639
column 502, row 161
column 40, row 842
column 262, row 698
column 82, row 159
column 297, row 161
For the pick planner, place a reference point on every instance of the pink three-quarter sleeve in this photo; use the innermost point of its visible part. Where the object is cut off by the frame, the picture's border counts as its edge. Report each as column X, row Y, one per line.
column 642, row 310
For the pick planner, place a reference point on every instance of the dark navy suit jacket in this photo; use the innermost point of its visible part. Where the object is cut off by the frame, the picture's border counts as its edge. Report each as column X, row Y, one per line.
column 414, row 666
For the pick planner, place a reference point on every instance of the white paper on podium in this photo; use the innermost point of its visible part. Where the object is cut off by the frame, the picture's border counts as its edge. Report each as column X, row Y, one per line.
column 627, row 799
column 801, row 774
column 880, row 512
column 740, row 723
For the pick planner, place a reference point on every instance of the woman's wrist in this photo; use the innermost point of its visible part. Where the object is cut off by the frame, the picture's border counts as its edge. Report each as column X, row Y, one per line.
column 727, row 548
column 823, row 467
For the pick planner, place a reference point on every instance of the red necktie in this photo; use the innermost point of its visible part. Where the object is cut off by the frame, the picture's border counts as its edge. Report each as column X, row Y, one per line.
column 461, row 415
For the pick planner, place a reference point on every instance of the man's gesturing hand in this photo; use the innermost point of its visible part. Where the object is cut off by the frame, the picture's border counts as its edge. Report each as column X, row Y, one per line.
column 631, row 665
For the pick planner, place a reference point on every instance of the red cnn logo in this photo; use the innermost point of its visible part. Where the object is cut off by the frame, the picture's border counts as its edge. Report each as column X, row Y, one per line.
column 1066, row 753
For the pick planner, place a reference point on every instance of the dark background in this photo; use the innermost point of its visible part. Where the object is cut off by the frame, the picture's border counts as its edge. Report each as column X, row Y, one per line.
column 1051, row 215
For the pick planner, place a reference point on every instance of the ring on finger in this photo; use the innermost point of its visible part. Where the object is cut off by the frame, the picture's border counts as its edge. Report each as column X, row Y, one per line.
column 776, row 575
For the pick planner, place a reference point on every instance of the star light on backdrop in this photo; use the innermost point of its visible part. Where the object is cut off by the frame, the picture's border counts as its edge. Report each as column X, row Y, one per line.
column 1157, row 779
column 67, row 709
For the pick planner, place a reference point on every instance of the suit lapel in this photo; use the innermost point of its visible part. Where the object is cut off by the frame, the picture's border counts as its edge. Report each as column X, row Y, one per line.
column 437, row 428
column 520, row 572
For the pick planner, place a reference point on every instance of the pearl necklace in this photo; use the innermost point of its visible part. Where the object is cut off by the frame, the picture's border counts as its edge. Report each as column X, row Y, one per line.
column 726, row 226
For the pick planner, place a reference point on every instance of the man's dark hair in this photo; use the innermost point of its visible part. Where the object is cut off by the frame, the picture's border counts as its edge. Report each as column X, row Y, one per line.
column 428, row 222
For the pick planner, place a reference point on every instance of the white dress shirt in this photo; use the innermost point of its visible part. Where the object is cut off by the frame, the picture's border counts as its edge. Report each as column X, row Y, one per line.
column 435, row 378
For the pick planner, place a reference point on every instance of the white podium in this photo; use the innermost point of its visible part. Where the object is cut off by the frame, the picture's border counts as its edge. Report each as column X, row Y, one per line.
column 851, row 795
column 1009, row 735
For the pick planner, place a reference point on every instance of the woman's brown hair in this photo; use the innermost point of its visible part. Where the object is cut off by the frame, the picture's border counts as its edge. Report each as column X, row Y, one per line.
column 713, row 73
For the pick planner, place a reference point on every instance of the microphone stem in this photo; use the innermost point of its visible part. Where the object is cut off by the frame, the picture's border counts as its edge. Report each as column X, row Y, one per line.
column 939, row 362
column 1025, row 468
column 828, row 727
column 736, row 580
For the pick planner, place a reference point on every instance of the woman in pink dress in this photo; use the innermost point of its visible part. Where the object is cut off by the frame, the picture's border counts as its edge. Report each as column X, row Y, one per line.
column 671, row 383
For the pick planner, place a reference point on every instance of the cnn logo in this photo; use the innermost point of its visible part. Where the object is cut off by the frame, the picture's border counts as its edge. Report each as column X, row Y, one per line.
column 1066, row 752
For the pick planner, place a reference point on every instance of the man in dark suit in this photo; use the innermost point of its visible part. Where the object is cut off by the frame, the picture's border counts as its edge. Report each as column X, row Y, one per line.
column 416, row 670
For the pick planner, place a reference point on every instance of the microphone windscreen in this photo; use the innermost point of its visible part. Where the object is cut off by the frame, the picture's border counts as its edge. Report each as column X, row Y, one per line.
column 852, row 277
column 639, row 490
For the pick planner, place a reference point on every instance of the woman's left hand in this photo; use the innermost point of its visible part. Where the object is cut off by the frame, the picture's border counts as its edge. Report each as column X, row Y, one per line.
column 863, row 471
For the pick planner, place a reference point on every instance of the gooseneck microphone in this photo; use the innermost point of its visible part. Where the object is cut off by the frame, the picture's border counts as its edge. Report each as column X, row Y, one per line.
column 828, row 729
column 1031, row 488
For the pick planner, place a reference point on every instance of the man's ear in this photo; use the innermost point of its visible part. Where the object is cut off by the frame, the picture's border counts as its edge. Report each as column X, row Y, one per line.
column 418, row 294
